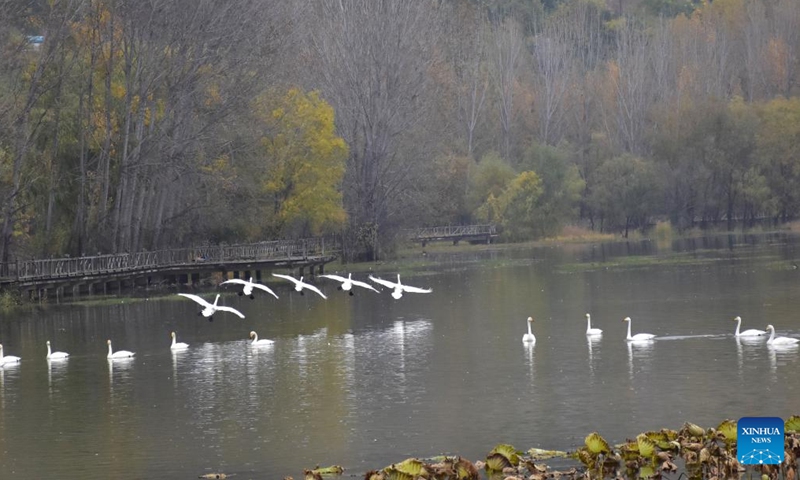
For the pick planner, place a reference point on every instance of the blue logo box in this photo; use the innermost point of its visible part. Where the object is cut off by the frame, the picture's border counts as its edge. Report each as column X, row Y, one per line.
column 759, row 440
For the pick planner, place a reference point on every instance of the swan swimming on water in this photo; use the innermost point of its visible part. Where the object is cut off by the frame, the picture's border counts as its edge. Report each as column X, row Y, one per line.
column 773, row 340
column 398, row 287
column 639, row 337
column 347, row 283
column 119, row 353
column 259, row 343
column 249, row 285
column 176, row 345
column 529, row 337
column 55, row 355
column 8, row 358
column 210, row 309
column 299, row 285
column 747, row 333
column 589, row 329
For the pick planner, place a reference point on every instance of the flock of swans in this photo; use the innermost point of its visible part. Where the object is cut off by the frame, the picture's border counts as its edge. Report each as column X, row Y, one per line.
column 209, row 309
column 347, row 284
column 529, row 338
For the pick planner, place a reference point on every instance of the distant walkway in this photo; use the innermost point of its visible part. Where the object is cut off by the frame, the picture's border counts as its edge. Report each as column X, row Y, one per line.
column 175, row 265
column 453, row 233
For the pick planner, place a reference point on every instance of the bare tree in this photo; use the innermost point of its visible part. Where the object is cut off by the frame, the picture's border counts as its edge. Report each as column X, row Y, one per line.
column 29, row 86
column 467, row 52
column 506, row 47
column 374, row 59
column 554, row 75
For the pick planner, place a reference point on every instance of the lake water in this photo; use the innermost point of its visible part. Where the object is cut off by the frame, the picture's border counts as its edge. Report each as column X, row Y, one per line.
column 365, row 381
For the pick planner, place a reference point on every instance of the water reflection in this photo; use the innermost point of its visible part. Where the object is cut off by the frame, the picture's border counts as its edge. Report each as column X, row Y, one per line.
column 592, row 342
column 529, row 347
column 641, row 353
column 781, row 355
column 747, row 348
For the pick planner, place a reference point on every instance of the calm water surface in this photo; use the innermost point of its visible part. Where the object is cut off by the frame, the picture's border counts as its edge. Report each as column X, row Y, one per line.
column 367, row 380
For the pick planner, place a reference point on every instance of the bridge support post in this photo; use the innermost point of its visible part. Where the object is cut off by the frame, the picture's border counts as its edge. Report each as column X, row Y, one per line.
column 247, row 275
column 195, row 278
column 321, row 268
column 258, row 275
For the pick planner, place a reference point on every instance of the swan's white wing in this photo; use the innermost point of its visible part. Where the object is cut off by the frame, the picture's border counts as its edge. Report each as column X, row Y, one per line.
column 335, row 277
column 235, row 280
column 265, row 288
column 314, row 289
column 385, row 283
column 364, row 285
column 287, row 277
column 196, row 299
column 232, row 310
column 416, row 289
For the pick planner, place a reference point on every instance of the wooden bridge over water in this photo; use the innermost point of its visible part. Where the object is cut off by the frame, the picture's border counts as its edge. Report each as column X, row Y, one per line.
column 453, row 233
column 109, row 273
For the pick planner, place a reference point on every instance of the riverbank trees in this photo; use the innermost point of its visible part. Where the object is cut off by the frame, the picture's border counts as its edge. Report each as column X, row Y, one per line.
column 128, row 125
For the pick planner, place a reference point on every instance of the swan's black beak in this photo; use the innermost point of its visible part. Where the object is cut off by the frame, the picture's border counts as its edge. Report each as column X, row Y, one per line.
column 240, row 293
column 252, row 297
column 211, row 318
column 351, row 293
column 339, row 287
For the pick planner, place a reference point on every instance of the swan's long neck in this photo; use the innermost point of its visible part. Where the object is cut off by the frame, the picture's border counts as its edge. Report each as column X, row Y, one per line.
column 588, row 323
column 109, row 350
column 771, row 337
column 216, row 300
column 738, row 325
column 48, row 350
column 173, row 341
column 629, row 328
column 529, row 329
column 255, row 338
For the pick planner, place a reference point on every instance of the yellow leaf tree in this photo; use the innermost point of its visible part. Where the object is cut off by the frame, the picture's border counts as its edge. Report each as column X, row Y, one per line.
column 305, row 163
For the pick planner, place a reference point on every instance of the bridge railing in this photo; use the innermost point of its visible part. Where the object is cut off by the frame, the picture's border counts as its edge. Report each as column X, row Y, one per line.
column 55, row 268
column 451, row 231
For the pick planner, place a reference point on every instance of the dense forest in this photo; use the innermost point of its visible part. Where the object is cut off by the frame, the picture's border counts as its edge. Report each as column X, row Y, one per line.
column 128, row 125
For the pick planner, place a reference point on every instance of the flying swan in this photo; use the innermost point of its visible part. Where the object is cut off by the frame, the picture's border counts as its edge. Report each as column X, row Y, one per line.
column 639, row 337
column 753, row 332
column 398, row 287
column 589, row 329
column 347, row 283
column 299, row 285
column 772, row 339
column 7, row 358
column 248, row 287
column 210, row 309
column 118, row 353
column 528, row 337
column 176, row 345
column 259, row 343
column 55, row 355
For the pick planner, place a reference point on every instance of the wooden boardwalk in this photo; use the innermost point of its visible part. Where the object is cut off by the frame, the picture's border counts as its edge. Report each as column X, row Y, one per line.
column 172, row 266
column 453, row 233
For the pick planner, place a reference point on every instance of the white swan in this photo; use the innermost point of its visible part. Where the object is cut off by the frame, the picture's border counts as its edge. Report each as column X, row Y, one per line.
column 118, row 353
column 347, row 283
column 7, row 358
column 249, row 286
column 589, row 329
column 55, row 355
column 747, row 333
column 299, row 285
column 639, row 337
column 772, row 339
column 210, row 309
column 176, row 345
column 398, row 287
column 529, row 337
column 259, row 343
